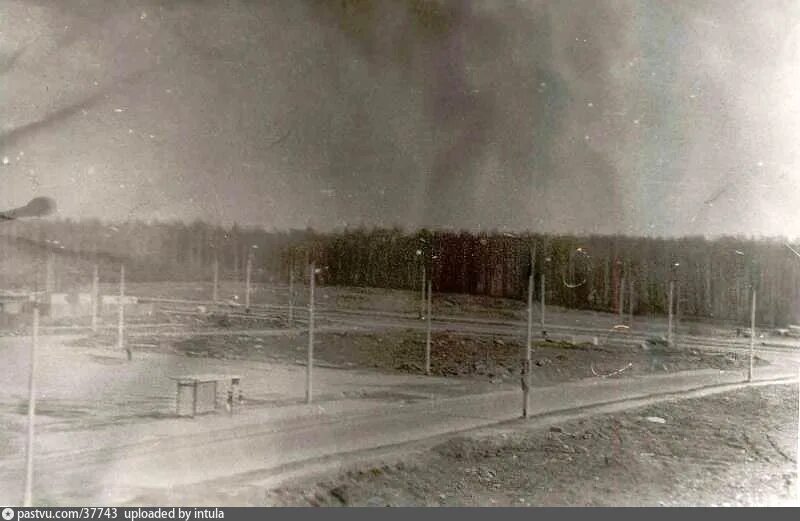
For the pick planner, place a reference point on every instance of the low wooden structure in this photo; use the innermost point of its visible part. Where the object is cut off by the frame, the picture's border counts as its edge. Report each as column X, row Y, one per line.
column 197, row 394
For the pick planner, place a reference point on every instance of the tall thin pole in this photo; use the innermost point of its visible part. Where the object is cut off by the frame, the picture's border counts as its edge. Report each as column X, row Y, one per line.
column 310, row 363
column 248, row 269
column 95, row 296
column 630, row 302
column 541, row 296
column 236, row 267
column 621, row 300
column 121, row 317
column 291, row 292
column 428, row 334
column 669, row 322
column 526, row 382
column 797, row 454
column 215, row 290
column 752, row 336
column 424, row 298
column 50, row 277
column 28, row 499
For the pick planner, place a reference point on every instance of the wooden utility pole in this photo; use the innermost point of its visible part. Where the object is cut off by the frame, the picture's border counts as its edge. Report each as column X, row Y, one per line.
column 424, row 289
column 428, row 335
column 630, row 302
column 541, row 296
column 248, row 270
column 291, row 291
column 752, row 336
column 50, row 275
column 669, row 322
column 28, row 498
column 310, row 362
column 215, row 290
column 797, row 457
column 95, row 296
column 121, row 317
column 526, row 368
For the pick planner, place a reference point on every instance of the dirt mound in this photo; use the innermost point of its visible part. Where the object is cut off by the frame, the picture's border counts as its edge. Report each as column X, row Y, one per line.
column 453, row 355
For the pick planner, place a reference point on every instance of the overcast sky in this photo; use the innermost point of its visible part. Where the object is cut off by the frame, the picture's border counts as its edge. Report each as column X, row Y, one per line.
column 588, row 116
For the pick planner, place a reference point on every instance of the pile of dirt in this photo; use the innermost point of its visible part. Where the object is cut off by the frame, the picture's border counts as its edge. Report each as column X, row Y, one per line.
column 735, row 449
column 224, row 319
column 229, row 347
column 458, row 355
column 455, row 355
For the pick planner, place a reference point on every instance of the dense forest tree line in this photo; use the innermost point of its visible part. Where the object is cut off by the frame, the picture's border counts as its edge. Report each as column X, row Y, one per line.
column 713, row 277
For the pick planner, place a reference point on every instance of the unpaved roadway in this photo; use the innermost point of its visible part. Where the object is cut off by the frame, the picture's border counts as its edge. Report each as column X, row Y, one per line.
column 256, row 446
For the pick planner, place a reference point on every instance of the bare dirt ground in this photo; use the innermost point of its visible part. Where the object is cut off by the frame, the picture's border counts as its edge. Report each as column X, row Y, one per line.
column 404, row 301
column 735, row 449
column 452, row 355
column 86, row 386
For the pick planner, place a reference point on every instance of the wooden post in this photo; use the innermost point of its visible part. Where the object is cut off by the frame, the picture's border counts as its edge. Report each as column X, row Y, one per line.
column 236, row 267
column 310, row 363
column 95, row 297
column 28, row 499
column 248, row 269
column 215, row 290
column 752, row 336
column 50, row 277
column 669, row 322
column 797, row 453
column 121, row 318
column 234, row 392
column 422, row 301
column 622, row 300
column 291, row 292
column 630, row 302
column 428, row 334
column 526, row 370
column 542, row 300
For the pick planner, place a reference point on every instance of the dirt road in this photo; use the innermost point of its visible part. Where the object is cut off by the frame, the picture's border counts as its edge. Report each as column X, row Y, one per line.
column 258, row 448
column 143, row 458
column 731, row 449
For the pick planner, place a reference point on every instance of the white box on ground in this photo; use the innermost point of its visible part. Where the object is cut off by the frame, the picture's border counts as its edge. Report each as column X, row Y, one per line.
column 59, row 299
column 12, row 308
column 67, row 304
column 583, row 339
column 197, row 394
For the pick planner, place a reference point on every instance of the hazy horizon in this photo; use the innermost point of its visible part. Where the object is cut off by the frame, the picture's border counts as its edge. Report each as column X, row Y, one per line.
column 409, row 231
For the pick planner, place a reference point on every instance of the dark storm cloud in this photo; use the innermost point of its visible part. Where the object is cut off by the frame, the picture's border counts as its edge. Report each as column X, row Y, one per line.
column 581, row 116
column 423, row 45
column 61, row 114
column 489, row 109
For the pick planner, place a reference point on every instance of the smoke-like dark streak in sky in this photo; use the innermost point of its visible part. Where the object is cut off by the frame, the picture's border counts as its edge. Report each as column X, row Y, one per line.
column 585, row 116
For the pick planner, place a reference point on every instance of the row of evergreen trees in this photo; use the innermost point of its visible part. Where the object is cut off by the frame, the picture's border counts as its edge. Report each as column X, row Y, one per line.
column 713, row 278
